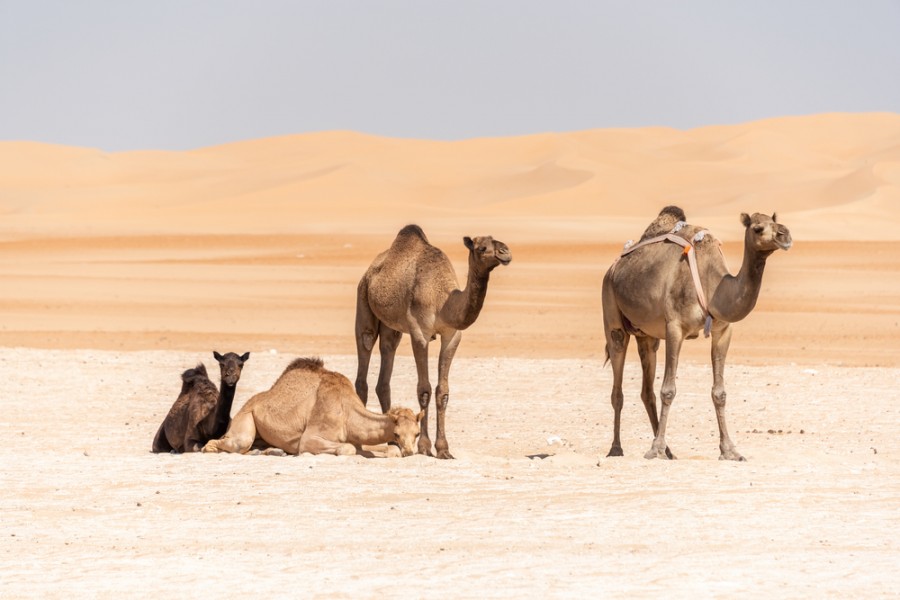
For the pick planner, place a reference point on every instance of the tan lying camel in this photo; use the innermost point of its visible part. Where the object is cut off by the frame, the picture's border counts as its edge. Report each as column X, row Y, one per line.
column 312, row 409
column 650, row 293
column 411, row 288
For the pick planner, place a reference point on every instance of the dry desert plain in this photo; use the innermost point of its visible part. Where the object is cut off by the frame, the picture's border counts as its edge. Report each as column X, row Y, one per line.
column 120, row 270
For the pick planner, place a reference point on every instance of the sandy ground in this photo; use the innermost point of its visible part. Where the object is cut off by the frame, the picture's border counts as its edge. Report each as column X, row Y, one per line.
column 119, row 271
column 89, row 512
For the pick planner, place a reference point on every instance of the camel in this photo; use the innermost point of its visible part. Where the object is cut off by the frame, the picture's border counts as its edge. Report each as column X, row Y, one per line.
column 650, row 293
column 311, row 409
column 412, row 288
column 201, row 412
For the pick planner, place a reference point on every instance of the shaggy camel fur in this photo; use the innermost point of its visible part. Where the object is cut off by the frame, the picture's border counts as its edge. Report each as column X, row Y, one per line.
column 312, row 409
column 201, row 412
column 412, row 288
column 649, row 293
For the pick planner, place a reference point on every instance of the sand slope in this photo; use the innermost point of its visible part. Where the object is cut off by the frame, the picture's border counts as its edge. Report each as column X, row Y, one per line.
column 834, row 176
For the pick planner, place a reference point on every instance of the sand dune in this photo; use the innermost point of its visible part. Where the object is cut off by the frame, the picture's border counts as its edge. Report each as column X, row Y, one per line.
column 817, row 171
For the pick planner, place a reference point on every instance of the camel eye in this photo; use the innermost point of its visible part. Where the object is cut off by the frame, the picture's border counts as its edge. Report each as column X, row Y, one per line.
column 758, row 228
column 483, row 249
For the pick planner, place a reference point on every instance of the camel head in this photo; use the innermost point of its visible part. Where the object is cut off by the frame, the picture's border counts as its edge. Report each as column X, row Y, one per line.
column 231, row 365
column 486, row 253
column 764, row 234
column 406, row 429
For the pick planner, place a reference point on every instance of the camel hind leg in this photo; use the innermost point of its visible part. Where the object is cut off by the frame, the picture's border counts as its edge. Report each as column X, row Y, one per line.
column 239, row 437
column 674, row 339
column 367, row 326
column 616, row 348
column 647, row 348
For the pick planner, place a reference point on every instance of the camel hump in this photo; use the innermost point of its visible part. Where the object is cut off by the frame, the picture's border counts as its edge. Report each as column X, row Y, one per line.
column 412, row 231
column 308, row 364
column 665, row 222
column 673, row 211
column 192, row 375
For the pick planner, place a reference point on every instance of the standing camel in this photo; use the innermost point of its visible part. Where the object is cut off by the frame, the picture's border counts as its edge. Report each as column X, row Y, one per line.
column 650, row 293
column 201, row 412
column 412, row 288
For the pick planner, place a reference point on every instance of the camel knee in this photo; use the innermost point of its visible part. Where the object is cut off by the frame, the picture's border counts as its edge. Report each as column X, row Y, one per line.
column 423, row 391
column 667, row 395
column 718, row 397
column 442, row 396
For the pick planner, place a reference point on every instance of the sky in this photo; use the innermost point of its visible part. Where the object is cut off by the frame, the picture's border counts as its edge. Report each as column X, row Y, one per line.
column 181, row 74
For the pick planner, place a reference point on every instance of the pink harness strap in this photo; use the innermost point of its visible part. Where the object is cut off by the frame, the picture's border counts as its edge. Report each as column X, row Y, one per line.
column 692, row 261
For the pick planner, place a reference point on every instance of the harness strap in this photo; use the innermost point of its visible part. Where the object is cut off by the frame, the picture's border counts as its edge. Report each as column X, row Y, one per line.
column 692, row 262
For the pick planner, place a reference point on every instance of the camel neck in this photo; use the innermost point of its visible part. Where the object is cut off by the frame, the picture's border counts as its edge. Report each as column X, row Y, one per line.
column 463, row 306
column 736, row 295
column 223, row 408
column 365, row 427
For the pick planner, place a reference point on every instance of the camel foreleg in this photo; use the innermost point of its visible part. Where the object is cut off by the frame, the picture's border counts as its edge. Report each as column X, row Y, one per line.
column 442, row 392
column 423, row 388
column 721, row 339
column 316, row 444
column 239, row 437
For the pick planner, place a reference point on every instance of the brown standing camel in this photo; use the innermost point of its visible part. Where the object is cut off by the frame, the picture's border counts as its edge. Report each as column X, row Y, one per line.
column 412, row 288
column 649, row 293
column 312, row 409
column 201, row 412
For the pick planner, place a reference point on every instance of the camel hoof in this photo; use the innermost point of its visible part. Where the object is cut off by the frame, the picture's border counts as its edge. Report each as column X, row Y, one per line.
column 615, row 451
column 445, row 455
column 732, row 456
column 669, row 454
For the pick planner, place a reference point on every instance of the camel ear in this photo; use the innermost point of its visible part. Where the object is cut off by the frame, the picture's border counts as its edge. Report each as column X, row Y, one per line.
column 420, row 416
column 218, row 356
column 469, row 243
column 774, row 218
column 245, row 357
column 745, row 219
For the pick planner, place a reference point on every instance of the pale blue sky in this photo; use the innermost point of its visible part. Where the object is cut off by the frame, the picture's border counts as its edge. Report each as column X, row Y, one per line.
column 166, row 74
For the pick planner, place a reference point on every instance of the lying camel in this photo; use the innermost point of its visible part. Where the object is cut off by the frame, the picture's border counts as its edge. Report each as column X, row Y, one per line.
column 311, row 409
column 201, row 412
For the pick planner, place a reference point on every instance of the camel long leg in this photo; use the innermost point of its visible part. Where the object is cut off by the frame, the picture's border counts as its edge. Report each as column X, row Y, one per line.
column 239, row 437
column 423, row 388
column 616, row 347
column 442, row 391
column 647, row 348
column 388, row 340
column 367, row 326
column 674, row 339
column 721, row 339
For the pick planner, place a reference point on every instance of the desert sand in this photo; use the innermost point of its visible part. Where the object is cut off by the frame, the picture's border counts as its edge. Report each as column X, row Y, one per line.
column 120, row 270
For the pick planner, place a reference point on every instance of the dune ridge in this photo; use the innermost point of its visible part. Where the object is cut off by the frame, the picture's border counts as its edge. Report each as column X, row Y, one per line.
column 833, row 176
